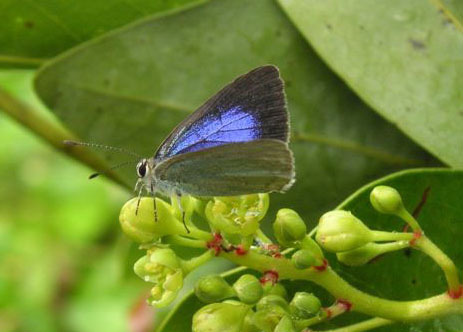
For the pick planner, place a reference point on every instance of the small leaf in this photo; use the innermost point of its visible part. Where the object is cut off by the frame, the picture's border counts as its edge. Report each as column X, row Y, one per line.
column 404, row 58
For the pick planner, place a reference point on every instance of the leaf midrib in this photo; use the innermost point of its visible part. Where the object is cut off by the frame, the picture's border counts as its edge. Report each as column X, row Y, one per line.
column 448, row 13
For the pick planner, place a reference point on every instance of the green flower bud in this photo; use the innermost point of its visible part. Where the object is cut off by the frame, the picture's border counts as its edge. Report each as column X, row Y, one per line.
column 213, row 288
column 268, row 318
column 339, row 230
column 231, row 301
column 309, row 255
column 285, row 325
column 288, row 227
column 162, row 267
column 248, row 289
column 358, row 256
column 386, row 200
column 275, row 289
column 248, row 325
column 224, row 317
column 304, row 305
column 237, row 214
column 363, row 255
column 270, row 301
column 141, row 226
column 310, row 244
column 305, row 258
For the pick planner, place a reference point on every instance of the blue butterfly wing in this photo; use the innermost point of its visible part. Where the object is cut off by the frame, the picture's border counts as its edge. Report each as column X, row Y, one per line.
column 250, row 108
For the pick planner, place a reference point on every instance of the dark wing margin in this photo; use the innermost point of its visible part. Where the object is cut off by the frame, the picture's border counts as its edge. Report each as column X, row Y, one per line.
column 260, row 166
column 259, row 94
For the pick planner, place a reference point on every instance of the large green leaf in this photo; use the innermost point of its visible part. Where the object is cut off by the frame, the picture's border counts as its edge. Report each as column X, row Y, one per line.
column 131, row 87
column 404, row 58
column 404, row 275
column 31, row 31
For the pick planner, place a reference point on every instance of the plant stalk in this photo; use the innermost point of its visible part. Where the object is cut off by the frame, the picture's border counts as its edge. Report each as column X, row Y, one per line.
column 52, row 133
column 436, row 306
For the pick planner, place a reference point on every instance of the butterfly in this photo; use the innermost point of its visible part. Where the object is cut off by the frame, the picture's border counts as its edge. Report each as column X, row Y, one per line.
column 236, row 143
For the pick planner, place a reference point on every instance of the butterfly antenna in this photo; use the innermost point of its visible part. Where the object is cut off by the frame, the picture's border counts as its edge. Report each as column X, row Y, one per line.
column 101, row 146
column 125, row 163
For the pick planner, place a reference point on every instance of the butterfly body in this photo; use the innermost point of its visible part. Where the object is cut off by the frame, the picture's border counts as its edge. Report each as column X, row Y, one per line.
column 234, row 144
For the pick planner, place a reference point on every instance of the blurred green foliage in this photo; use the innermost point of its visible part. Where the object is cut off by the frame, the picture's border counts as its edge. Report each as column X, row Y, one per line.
column 62, row 261
column 64, row 266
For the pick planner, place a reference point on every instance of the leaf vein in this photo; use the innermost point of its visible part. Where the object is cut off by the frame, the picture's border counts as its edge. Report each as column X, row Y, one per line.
column 56, row 20
column 137, row 99
column 448, row 14
column 368, row 151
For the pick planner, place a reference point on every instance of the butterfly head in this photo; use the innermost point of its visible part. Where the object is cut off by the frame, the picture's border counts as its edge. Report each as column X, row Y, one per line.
column 145, row 168
column 141, row 168
column 145, row 172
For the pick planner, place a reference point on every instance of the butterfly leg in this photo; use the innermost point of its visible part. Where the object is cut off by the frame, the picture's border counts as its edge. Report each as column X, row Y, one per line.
column 139, row 196
column 178, row 198
column 155, row 209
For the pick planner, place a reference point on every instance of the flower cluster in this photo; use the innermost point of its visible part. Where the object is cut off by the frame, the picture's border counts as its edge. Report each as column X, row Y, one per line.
column 232, row 226
column 254, row 306
column 353, row 242
column 163, row 268
column 260, row 302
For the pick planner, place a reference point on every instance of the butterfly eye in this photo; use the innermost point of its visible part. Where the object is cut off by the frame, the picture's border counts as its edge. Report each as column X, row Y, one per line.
column 141, row 168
